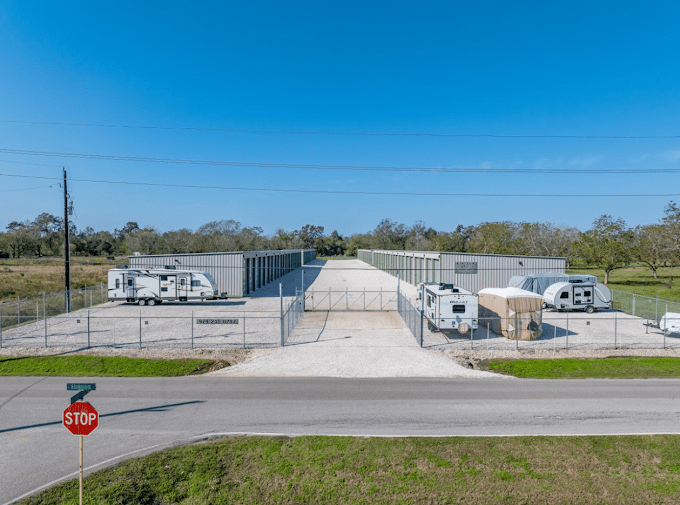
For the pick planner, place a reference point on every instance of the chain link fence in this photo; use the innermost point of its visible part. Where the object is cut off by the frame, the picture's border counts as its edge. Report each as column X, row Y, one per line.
column 642, row 306
column 21, row 311
column 291, row 316
column 413, row 317
column 350, row 300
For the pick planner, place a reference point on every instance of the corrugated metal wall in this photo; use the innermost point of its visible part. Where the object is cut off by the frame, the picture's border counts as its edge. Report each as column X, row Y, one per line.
column 236, row 273
column 469, row 271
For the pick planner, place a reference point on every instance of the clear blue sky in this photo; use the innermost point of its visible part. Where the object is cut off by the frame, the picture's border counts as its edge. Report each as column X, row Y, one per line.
column 498, row 68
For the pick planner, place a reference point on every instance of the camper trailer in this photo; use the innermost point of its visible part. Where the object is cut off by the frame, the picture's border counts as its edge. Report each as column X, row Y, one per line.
column 152, row 286
column 588, row 296
column 670, row 323
column 448, row 307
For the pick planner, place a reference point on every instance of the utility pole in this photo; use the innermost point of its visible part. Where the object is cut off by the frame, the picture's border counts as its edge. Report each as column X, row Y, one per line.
column 67, row 249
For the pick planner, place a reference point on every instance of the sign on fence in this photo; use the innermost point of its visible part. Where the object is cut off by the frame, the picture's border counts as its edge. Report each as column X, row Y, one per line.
column 466, row 267
column 216, row 321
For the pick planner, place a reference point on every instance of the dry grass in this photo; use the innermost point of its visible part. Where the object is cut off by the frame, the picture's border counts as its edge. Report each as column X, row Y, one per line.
column 27, row 279
column 339, row 470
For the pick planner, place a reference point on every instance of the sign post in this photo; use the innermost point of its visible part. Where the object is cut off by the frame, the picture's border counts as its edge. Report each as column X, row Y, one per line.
column 81, row 419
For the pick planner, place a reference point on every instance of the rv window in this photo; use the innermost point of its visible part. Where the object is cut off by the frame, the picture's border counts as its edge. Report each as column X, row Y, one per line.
column 164, row 289
column 164, row 277
column 117, row 283
column 195, row 283
column 130, row 282
column 586, row 293
column 565, row 294
column 458, row 309
column 183, row 281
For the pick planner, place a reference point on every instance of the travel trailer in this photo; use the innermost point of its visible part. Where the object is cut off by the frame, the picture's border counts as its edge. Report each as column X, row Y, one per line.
column 670, row 323
column 588, row 296
column 156, row 285
column 448, row 307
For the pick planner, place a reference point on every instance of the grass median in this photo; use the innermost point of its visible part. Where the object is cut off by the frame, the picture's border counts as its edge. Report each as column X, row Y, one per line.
column 340, row 470
column 590, row 368
column 105, row 366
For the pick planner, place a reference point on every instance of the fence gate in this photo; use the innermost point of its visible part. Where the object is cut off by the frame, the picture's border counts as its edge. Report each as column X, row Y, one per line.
column 350, row 300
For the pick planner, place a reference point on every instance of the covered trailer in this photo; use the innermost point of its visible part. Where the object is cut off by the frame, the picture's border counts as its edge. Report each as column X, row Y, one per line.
column 588, row 296
column 152, row 286
column 670, row 323
column 539, row 282
column 448, row 307
column 512, row 312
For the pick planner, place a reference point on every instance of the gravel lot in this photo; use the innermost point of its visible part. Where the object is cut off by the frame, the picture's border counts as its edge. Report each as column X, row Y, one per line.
column 345, row 342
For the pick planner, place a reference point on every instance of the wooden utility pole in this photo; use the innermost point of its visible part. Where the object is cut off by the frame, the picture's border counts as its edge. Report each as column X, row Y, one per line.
column 67, row 249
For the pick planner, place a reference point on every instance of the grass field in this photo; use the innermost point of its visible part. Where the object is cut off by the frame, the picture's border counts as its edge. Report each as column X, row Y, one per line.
column 630, row 367
column 29, row 278
column 104, row 366
column 639, row 280
column 343, row 470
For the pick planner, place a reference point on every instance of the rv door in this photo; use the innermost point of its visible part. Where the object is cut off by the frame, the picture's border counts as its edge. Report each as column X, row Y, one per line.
column 130, row 287
column 168, row 286
column 583, row 296
column 183, row 286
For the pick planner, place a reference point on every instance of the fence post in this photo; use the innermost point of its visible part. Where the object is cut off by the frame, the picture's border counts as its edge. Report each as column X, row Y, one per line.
column 398, row 291
column 422, row 313
column 516, row 333
column 633, row 304
column 364, row 299
column 472, row 336
column 192, row 329
column 244, row 329
column 101, row 292
column 616, row 320
column 303, row 290
column 140, row 329
column 656, row 311
column 346, row 299
column 88, row 329
column 380, row 297
column 18, row 311
column 313, row 302
column 45, row 318
column 329, row 299
column 0, row 331
column 281, row 310
column 567, row 330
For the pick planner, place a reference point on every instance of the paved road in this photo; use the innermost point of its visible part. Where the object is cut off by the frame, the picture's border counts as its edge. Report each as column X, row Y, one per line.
column 142, row 415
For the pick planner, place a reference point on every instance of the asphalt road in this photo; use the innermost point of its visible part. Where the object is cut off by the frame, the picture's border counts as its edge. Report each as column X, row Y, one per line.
column 139, row 416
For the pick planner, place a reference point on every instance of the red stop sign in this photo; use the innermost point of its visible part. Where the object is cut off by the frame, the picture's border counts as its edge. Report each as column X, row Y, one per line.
column 80, row 418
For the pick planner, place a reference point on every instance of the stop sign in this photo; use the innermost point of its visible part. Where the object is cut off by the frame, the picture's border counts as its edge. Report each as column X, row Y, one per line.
column 80, row 418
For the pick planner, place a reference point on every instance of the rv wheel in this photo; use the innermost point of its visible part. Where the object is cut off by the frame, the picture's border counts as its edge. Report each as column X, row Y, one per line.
column 151, row 301
column 142, row 301
column 430, row 326
column 590, row 309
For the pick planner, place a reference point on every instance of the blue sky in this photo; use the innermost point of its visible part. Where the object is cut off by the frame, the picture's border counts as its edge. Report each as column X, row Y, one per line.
column 473, row 68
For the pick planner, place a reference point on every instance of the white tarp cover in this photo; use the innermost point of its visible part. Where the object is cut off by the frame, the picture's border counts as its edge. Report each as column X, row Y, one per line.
column 538, row 283
column 670, row 322
column 503, row 308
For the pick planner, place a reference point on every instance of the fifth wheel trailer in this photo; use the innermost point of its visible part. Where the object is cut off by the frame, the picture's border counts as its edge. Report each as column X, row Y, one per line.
column 588, row 296
column 152, row 286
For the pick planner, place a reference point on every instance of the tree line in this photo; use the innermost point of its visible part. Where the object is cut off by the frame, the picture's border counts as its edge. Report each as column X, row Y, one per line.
column 608, row 244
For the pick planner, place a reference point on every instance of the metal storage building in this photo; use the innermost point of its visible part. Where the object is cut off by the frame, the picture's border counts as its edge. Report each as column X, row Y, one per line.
column 467, row 270
column 236, row 273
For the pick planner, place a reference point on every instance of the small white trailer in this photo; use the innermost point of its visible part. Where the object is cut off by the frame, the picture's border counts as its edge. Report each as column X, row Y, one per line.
column 448, row 307
column 670, row 323
column 588, row 296
column 155, row 285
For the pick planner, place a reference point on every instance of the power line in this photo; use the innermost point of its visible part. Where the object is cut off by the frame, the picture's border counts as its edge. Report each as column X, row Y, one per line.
column 345, row 192
column 314, row 166
column 347, row 133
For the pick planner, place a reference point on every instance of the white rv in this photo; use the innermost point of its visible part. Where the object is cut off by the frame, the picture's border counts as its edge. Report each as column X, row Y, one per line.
column 588, row 296
column 448, row 307
column 670, row 323
column 155, row 285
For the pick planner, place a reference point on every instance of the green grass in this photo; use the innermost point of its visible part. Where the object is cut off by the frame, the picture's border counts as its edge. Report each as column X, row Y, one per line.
column 595, row 368
column 639, row 280
column 104, row 366
column 342, row 470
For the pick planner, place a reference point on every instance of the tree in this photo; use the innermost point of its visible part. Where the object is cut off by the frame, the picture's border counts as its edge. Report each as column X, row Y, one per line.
column 309, row 235
column 390, row 235
column 493, row 238
column 545, row 239
column 607, row 245
column 651, row 246
column 671, row 222
column 455, row 241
